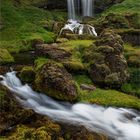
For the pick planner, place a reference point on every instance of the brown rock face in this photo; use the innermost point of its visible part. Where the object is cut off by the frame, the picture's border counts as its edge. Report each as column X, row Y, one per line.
column 52, row 51
column 55, row 81
column 111, row 68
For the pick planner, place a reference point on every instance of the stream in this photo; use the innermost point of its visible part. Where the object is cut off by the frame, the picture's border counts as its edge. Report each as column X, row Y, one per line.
column 118, row 123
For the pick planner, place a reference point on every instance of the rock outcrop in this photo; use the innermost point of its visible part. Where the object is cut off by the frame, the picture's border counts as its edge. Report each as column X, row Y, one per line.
column 52, row 51
column 54, row 80
column 108, row 65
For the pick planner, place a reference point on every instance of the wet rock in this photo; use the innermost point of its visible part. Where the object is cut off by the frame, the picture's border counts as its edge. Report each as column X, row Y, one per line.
column 52, row 51
column 54, row 80
column 111, row 68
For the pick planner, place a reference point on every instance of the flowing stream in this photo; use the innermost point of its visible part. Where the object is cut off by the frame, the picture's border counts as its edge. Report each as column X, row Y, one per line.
column 118, row 123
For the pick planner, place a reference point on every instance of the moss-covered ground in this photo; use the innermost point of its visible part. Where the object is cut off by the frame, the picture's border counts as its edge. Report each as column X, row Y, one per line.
column 21, row 24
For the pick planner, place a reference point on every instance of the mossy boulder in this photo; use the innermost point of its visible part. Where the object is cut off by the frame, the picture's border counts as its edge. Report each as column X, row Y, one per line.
column 107, row 63
column 5, row 57
column 52, row 51
column 74, row 66
column 54, row 80
column 27, row 74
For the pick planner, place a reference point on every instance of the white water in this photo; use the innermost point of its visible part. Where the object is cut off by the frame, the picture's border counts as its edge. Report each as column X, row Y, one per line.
column 119, row 123
column 71, row 9
column 77, row 28
column 87, row 6
column 73, row 24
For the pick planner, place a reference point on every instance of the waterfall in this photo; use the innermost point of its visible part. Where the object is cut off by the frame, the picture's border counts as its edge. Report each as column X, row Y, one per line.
column 74, row 7
column 71, row 9
column 77, row 9
column 87, row 6
column 118, row 123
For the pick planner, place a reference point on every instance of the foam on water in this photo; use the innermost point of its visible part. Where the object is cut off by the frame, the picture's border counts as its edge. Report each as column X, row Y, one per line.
column 118, row 123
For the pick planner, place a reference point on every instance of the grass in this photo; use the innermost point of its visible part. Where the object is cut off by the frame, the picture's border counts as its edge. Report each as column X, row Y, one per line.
column 76, row 47
column 24, row 23
column 106, row 97
column 127, row 6
column 5, row 57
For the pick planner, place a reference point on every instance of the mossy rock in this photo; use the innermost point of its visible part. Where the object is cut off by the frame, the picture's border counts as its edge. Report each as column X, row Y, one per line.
column 54, row 80
column 134, row 61
column 105, row 49
column 107, row 63
column 5, row 57
column 27, row 74
column 74, row 66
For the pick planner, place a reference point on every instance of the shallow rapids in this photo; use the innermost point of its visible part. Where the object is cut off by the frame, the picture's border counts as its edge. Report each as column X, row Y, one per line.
column 118, row 123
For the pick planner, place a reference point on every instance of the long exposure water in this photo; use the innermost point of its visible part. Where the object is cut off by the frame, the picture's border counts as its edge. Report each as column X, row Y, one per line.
column 118, row 123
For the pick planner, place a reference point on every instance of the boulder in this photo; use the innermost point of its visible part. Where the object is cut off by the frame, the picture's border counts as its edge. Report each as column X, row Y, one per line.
column 54, row 80
column 111, row 68
column 27, row 74
column 52, row 51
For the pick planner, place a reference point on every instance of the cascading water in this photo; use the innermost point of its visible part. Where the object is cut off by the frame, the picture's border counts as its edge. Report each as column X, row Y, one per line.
column 87, row 7
column 118, row 123
column 73, row 24
column 71, row 9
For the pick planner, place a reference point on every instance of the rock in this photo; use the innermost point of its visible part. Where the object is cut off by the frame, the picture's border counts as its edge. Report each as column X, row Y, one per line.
column 74, row 66
column 55, row 81
column 27, row 74
column 4, row 69
column 87, row 87
column 108, row 65
column 57, row 26
column 52, row 51
column 131, row 36
column 71, row 36
column 61, row 40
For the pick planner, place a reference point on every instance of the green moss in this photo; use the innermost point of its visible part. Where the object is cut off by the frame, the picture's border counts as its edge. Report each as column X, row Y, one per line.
column 22, row 24
column 40, row 62
column 74, row 66
column 5, row 57
column 27, row 74
column 127, row 6
column 106, row 97
column 110, row 98
column 134, row 61
column 82, row 79
column 133, row 85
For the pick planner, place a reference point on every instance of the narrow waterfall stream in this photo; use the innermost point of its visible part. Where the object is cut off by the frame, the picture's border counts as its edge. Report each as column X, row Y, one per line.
column 118, row 123
column 74, row 17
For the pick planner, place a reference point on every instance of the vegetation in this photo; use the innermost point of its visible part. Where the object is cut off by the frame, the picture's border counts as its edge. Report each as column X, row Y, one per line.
column 27, row 74
column 106, row 97
column 60, row 70
column 127, row 6
column 5, row 57
column 23, row 24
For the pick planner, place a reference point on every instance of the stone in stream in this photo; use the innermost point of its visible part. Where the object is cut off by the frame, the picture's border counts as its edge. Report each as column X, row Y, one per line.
column 54, row 80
